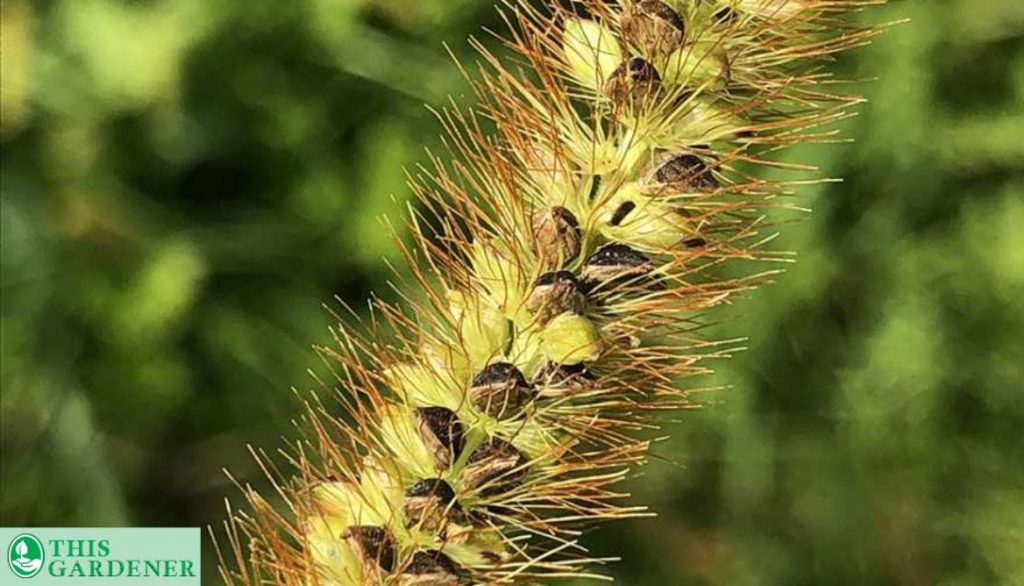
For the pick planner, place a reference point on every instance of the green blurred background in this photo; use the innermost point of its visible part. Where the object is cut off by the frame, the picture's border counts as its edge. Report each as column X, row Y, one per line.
column 187, row 183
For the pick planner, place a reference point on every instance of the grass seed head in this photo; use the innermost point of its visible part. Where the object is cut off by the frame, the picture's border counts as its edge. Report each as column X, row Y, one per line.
column 478, row 428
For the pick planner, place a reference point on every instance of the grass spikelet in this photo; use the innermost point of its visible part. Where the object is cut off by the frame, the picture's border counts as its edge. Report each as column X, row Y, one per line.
column 565, row 249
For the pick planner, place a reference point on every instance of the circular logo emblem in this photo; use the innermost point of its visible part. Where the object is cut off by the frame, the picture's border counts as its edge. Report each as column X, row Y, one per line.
column 25, row 555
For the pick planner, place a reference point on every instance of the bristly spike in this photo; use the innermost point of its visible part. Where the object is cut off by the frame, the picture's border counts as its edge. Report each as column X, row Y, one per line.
column 561, row 266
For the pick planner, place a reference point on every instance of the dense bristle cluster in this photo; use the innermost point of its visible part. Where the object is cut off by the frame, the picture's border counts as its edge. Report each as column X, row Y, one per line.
column 562, row 258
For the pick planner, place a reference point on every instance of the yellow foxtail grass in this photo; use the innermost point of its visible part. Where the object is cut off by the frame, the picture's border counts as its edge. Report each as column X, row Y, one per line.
column 565, row 249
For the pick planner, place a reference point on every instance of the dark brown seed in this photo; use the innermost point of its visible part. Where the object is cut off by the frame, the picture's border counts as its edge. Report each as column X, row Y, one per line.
column 428, row 503
column 615, row 264
column 500, row 390
column 653, row 27
column 442, row 433
column 555, row 293
column 695, row 242
column 595, row 187
column 633, row 84
column 373, row 546
column 621, row 212
column 725, row 15
column 491, row 556
column 686, row 173
column 617, row 254
column 433, row 487
column 430, row 568
column 495, row 467
column 556, row 236
column 567, row 378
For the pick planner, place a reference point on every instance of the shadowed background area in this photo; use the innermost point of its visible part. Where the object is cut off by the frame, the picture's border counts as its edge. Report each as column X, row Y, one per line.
column 187, row 183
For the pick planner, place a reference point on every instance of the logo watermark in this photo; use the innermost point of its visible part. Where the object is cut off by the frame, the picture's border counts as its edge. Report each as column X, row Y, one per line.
column 25, row 555
column 169, row 556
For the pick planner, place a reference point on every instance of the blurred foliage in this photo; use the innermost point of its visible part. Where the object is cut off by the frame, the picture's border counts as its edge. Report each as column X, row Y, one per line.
column 186, row 182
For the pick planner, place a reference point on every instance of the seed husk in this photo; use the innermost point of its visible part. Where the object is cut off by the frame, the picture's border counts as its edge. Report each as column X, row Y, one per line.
column 684, row 173
column 564, row 378
column 556, row 236
column 430, row 568
column 442, row 433
column 554, row 293
column 653, row 27
column 495, row 467
column 616, row 264
column 501, row 390
column 373, row 546
column 633, row 84
column 428, row 504
column 553, row 373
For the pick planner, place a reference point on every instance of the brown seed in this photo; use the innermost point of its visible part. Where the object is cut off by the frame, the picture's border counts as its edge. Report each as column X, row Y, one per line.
column 685, row 173
column 373, row 546
column 442, row 433
column 429, row 503
column 492, row 557
column 621, row 212
column 555, row 293
column 616, row 264
column 633, row 84
column 653, row 27
column 564, row 378
column 495, row 467
column 725, row 15
column 430, row 568
column 500, row 390
column 556, row 236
